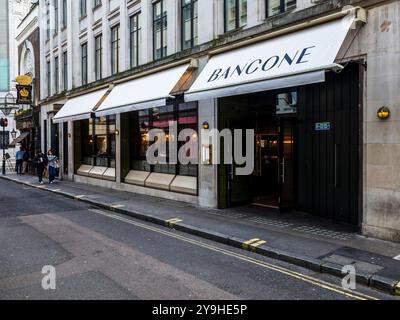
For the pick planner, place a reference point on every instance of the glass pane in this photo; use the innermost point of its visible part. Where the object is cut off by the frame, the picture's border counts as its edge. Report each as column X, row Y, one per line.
column 157, row 10
column 112, row 124
column 195, row 24
column 230, row 15
column 101, row 146
column 100, row 126
column 274, row 7
column 243, row 12
column 290, row 4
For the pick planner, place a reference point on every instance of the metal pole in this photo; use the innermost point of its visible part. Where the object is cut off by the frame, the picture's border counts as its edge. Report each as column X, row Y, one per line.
column 4, row 152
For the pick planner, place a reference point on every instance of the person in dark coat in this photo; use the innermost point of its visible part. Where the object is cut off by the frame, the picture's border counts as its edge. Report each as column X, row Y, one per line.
column 41, row 163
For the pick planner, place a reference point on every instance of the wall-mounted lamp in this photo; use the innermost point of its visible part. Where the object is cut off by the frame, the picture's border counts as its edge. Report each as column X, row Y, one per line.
column 206, row 125
column 383, row 113
column 117, row 132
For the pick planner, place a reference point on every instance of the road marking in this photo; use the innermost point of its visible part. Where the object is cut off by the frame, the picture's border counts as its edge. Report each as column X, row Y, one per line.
column 56, row 190
column 170, row 223
column 294, row 274
column 252, row 244
column 397, row 257
column 397, row 289
column 79, row 196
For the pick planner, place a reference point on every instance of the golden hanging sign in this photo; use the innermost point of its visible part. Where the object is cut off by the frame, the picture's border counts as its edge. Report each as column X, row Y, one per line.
column 24, row 93
column 24, row 80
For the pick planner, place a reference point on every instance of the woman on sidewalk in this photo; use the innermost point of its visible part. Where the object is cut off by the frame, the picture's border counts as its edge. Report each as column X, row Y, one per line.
column 53, row 165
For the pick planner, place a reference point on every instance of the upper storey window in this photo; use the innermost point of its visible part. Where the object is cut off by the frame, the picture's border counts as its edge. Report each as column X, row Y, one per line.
column 275, row 7
column 235, row 14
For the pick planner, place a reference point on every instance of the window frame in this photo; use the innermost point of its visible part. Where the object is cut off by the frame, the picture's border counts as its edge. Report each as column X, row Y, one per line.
column 56, row 74
column 65, row 13
column 48, row 66
column 137, row 130
column 132, row 33
column 84, row 63
column 282, row 8
column 115, row 50
column 92, row 136
column 192, row 18
column 237, row 16
column 161, row 20
column 98, row 57
column 96, row 3
column 83, row 8
column 65, row 70
column 55, row 2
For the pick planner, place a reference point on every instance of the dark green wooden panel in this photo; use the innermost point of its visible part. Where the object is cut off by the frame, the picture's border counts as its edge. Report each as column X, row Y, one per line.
column 77, row 145
column 328, row 182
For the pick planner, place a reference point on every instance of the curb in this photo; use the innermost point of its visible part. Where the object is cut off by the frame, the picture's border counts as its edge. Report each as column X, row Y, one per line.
column 384, row 284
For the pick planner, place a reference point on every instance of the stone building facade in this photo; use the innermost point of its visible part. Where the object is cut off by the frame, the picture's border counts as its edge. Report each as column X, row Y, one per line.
column 93, row 50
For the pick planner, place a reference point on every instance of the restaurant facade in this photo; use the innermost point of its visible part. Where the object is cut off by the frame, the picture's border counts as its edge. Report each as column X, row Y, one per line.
column 313, row 92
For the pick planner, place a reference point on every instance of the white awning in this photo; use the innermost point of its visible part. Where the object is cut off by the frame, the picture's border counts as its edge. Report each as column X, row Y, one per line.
column 145, row 92
column 294, row 59
column 81, row 107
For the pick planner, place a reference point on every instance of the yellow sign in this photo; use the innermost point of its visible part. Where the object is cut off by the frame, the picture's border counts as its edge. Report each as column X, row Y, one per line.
column 24, row 93
column 24, row 80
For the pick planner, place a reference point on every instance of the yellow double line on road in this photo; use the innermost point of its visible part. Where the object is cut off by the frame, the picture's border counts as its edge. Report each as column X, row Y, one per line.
column 290, row 273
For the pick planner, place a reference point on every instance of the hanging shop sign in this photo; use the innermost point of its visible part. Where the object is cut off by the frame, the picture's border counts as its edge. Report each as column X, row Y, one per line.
column 24, row 80
column 24, row 94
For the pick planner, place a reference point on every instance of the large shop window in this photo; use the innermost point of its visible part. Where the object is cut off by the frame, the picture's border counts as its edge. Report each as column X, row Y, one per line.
column 98, row 148
column 186, row 117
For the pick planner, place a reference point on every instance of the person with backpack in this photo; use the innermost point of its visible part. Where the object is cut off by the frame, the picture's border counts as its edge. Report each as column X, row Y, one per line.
column 41, row 163
column 53, row 165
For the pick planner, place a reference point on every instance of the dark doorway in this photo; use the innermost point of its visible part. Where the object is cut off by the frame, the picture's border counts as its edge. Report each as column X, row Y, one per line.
column 266, row 173
column 45, row 136
column 54, row 138
column 65, row 147
column 307, row 150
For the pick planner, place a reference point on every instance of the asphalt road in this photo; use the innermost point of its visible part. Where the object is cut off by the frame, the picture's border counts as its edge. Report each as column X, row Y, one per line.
column 101, row 255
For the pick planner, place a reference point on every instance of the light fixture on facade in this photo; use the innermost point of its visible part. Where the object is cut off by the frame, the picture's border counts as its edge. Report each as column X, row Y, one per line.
column 117, row 132
column 206, row 125
column 383, row 113
column 13, row 134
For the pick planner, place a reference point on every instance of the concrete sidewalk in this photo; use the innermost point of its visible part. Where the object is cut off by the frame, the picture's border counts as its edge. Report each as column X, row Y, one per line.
column 307, row 241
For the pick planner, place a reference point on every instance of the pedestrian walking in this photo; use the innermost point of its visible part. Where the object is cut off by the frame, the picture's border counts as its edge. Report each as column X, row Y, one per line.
column 41, row 162
column 19, row 157
column 53, row 165
column 30, row 159
column 25, row 160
